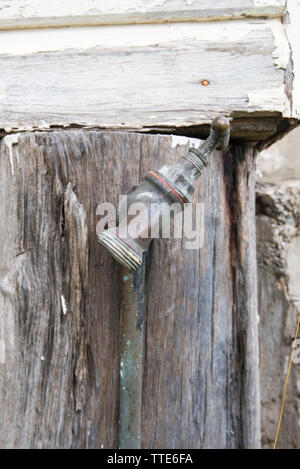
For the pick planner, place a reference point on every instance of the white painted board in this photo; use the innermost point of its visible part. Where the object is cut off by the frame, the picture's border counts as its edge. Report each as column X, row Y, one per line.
column 41, row 13
column 139, row 76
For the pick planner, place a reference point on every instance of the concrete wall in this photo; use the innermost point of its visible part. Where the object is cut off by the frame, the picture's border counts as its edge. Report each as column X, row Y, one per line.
column 278, row 245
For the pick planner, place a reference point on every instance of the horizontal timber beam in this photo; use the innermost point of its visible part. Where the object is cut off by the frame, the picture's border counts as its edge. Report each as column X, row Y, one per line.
column 169, row 78
column 259, row 132
column 38, row 14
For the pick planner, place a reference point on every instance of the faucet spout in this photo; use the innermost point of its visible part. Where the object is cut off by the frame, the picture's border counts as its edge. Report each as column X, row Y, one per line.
column 171, row 185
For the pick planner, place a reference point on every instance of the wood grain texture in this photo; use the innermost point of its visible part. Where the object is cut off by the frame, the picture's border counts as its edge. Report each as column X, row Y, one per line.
column 37, row 14
column 59, row 385
column 201, row 357
column 59, row 307
column 143, row 76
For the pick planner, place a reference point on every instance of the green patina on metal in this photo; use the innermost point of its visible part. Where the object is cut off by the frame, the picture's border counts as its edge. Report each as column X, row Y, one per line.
column 172, row 183
column 131, row 361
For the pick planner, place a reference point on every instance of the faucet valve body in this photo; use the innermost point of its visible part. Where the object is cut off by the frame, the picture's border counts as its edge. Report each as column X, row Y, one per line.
column 160, row 188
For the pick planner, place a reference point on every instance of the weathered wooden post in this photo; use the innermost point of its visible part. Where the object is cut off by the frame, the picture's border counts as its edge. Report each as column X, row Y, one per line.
column 85, row 113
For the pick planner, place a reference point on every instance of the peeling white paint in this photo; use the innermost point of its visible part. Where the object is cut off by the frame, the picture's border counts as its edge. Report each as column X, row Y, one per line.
column 63, row 305
column 146, row 109
column 38, row 13
column 269, row 99
column 281, row 52
column 9, row 141
column 268, row 3
column 25, row 42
